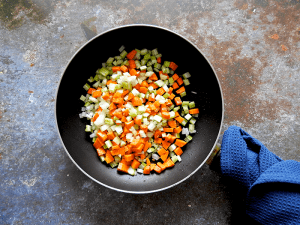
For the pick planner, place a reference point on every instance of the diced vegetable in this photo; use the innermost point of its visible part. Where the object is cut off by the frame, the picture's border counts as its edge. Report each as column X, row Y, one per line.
column 137, row 112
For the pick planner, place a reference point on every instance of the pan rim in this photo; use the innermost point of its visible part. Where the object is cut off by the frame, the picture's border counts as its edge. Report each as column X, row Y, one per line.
column 108, row 186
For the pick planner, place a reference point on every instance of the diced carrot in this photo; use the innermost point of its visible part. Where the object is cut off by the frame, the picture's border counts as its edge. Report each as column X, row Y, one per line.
column 158, row 140
column 124, row 68
column 172, row 123
column 162, row 166
column 131, row 64
column 169, row 163
column 160, row 91
column 180, row 90
column 122, row 151
column 135, row 164
column 143, row 90
column 178, row 101
column 153, row 85
column 97, row 94
column 123, row 167
column 169, row 102
column 116, row 68
column 147, row 146
column 179, row 81
column 95, row 117
column 158, row 60
column 194, row 111
column 166, row 144
column 98, row 143
column 175, row 77
column 139, row 148
column 137, row 121
column 110, row 135
column 131, row 54
column 179, row 119
column 157, row 134
column 172, row 138
column 130, row 96
column 117, row 95
column 101, row 151
column 125, row 92
column 157, row 169
column 170, row 130
column 170, row 90
column 142, row 156
column 164, row 156
column 129, row 124
column 91, row 90
column 178, row 151
column 164, row 108
column 105, row 96
column 152, row 166
column 172, row 96
column 162, row 151
column 175, row 86
column 129, row 157
column 112, row 106
column 147, row 169
column 165, row 115
column 132, row 72
column 177, row 114
column 151, row 98
column 153, row 77
column 148, row 161
column 180, row 143
column 173, row 66
column 177, row 130
column 118, row 114
column 144, row 128
column 118, row 100
column 111, row 82
column 108, row 157
column 145, row 84
column 128, row 163
column 102, row 136
column 137, row 101
column 115, row 152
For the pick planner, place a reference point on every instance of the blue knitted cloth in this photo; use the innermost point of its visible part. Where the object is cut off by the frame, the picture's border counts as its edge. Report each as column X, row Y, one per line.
column 273, row 184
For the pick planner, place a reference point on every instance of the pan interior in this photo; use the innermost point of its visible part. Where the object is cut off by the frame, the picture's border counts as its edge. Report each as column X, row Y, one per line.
column 204, row 90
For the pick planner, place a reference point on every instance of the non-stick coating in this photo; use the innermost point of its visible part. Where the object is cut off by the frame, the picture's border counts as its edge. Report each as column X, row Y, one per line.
column 204, row 90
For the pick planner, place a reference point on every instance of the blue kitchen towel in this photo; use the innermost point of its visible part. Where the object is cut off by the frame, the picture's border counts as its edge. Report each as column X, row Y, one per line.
column 273, row 184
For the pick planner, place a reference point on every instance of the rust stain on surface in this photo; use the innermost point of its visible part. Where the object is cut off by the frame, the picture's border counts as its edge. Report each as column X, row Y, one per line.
column 274, row 36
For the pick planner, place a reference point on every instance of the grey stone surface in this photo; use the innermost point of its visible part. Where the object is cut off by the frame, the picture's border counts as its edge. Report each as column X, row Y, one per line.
column 254, row 47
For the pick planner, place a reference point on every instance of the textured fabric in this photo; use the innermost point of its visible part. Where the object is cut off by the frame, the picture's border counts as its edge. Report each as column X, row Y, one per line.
column 273, row 184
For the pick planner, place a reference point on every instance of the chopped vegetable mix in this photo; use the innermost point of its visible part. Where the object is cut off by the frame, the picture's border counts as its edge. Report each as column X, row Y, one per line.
column 136, row 113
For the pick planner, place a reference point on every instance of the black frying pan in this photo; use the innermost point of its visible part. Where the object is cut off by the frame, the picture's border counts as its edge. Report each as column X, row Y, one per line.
column 174, row 48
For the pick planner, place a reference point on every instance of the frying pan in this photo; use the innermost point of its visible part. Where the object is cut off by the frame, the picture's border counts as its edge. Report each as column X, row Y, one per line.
column 204, row 90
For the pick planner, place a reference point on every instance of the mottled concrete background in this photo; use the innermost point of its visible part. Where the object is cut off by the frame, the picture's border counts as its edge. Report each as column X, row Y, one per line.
column 254, row 46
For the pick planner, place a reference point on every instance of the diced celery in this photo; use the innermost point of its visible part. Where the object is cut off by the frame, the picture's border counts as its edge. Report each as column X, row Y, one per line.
column 137, row 63
column 138, row 56
column 149, row 68
column 91, row 80
column 96, row 77
column 103, row 71
column 149, row 63
column 188, row 116
column 123, row 54
column 154, row 52
column 118, row 57
column 188, row 138
column 191, row 128
column 176, row 108
column 158, row 55
column 171, row 72
column 110, row 60
column 88, row 128
column 119, row 61
column 108, row 144
column 183, row 94
column 186, row 82
column 82, row 98
column 113, row 164
column 143, row 62
column 184, row 122
column 192, row 105
column 166, row 63
column 171, row 81
column 117, row 159
column 174, row 159
column 166, row 95
column 109, row 121
column 186, row 75
column 185, row 109
column 144, row 51
column 185, row 103
column 192, row 121
column 177, row 135
column 86, row 87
